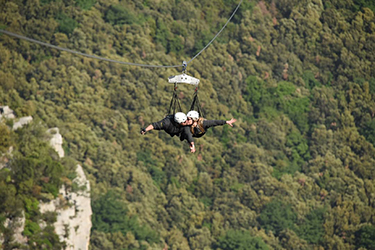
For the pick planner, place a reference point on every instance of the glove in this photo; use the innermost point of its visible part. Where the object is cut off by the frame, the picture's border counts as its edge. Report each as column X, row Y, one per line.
column 143, row 131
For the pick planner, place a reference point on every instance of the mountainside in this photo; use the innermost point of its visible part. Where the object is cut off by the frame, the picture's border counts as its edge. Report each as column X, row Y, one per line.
column 295, row 172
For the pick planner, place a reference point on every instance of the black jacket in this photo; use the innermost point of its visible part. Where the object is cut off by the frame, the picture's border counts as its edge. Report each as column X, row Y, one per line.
column 186, row 132
column 207, row 124
column 172, row 128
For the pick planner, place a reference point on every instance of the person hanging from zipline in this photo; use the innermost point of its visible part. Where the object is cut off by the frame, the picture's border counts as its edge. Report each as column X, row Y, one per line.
column 185, row 126
column 199, row 125
column 176, row 124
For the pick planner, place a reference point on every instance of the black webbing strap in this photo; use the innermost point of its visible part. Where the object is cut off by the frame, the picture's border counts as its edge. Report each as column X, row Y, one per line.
column 175, row 102
column 196, row 103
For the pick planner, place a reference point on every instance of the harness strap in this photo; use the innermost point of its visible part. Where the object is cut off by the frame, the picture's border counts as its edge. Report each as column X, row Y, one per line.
column 196, row 103
column 175, row 102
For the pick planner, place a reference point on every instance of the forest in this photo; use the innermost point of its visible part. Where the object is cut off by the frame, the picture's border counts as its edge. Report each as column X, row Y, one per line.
column 295, row 172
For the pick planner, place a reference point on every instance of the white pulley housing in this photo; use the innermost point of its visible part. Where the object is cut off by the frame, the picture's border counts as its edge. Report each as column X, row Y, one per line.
column 184, row 78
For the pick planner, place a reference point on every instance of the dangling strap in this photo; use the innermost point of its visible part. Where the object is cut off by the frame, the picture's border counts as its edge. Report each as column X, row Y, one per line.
column 175, row 102
column 196, row 103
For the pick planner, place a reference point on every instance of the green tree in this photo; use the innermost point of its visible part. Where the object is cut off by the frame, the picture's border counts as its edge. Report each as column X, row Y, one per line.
column 66, row 23
column 359, row 4
column 299, row 146
column 240, row 240
column 277, row 216
column 35, row 162
column 11, row 205
column 297, row 109
column 5, row 139
column 365, row 237
column 255, row 91
column 175, row 45
column 310, row 80
column 162, row 33
column 311, row 229
column 158, row 175
column 110, row 215
column 85, row 4
column 369, row 131
column 119, row 15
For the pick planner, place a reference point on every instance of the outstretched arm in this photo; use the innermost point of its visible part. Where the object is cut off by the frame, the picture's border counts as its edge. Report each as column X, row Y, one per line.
column 186, row 134
column 156, row 125
column 148, row 128
column 212, row 123
column 230, row 122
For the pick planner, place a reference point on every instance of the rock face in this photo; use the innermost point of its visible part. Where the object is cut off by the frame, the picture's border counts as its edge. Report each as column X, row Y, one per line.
column 80, row 226
column 21, row 122
column 73, row 224
column 56, row 141
column 6, row 112
column 17, row 224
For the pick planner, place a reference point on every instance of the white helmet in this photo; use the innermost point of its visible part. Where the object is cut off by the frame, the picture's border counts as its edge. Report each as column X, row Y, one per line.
column 193, row 115
column 180, row 117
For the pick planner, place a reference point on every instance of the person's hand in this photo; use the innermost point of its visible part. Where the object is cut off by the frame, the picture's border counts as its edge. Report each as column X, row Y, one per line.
column 192, row 149
column 143, row 131
column 231, row 121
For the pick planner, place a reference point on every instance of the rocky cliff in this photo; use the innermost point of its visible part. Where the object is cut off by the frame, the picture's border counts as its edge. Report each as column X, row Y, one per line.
column 73, row 206
column 73, row 223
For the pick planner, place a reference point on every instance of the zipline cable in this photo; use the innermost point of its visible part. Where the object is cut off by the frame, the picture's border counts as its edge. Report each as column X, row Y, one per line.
column 115, row 61
column 234, row 12
column 83, row 54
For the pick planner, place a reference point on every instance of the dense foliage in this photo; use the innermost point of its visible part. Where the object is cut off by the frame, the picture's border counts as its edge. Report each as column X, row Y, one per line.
column 295, row 172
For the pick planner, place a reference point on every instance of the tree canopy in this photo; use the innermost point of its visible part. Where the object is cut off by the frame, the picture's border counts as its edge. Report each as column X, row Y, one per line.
column 295, row 172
